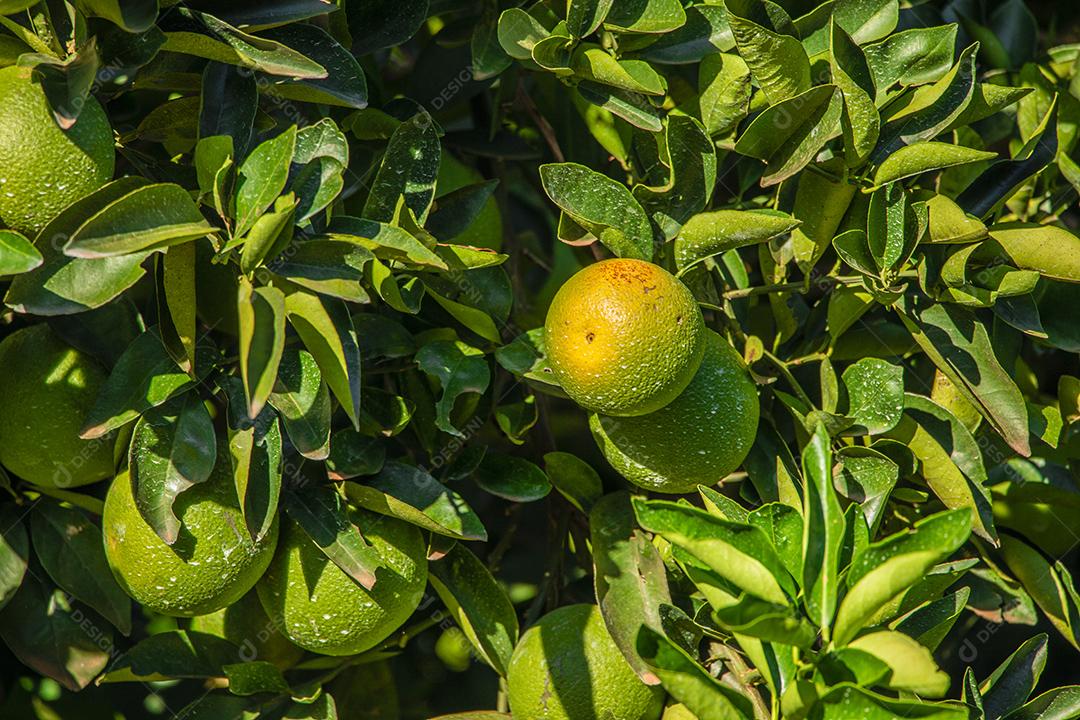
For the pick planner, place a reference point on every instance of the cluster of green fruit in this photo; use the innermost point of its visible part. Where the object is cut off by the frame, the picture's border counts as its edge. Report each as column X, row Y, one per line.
column 214, row 565
column 672, row 403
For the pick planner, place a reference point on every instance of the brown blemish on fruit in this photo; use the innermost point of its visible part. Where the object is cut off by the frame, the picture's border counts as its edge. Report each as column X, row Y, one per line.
column 590, row 336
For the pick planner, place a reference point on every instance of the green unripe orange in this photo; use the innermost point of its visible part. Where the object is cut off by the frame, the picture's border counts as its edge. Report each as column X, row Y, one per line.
column 49, row 387
column 698, row 438
column 323, row 610
column 624, row 337
column 212, row 564
column 43, row 168
column 567, row 667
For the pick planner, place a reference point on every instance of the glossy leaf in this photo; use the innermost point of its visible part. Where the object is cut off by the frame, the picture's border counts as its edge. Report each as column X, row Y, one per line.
column 602, row 206
column 262, row 342
column 478, row 604
column 460, row 369
column 173, row 447
column 411, row 494
column 322, row 514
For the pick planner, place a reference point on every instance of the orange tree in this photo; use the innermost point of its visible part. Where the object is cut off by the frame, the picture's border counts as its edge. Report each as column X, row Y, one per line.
column 280, row 435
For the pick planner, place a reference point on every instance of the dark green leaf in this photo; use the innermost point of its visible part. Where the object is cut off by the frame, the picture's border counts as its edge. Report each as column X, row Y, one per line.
column 145, row 376
column 630, row 579
column 478, row 603
column 320, row 511
column 413, row 495
column 173, row 447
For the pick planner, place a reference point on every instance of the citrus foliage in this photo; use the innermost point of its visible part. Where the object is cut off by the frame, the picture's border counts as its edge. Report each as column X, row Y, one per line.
column 281, row 437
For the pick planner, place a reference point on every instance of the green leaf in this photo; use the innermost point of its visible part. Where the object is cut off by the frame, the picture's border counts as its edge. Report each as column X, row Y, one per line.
column 711, row 233
column 478, row 603
column 690, row 683
column 411, row 494
column 388, row 242
column 1052, row 251
column 255, row 453
column 892, row 228
column 867, row 477
column 343, row 83
column 262, row 177
column 631, row 107
column 950, row 459
column 322, row 154
column 783, row 525
column 704, row 33
column 737, row 552
column 145, row 376
column 133, row 17
column 888, row 568
column 820, row 205
column 254, row 677
column 851, row 73
column 823, row 532
column 776, row 58
column 875, row 390
column 518, row 31
column 912, row 667
column 959, row 345
column 630, row 579
column 407, row 172
column 789, row 134
column 1060, row 702
column 511, row 478
column 271, row 233
column 751, row 617
column 575, row 479
column 911, row 57
column 912, row 160
column 724, row 90
column 204, row 35
column 930, row 623
column 689, row 157
column 70, row 549
column 178, row 284
column 645, row 16
column 602, row 206
column 14, row 552
column 44, row 629
column 353, row 454
column 1015, row 679
column 303, row 403
column 948, row 223
column 1050, row 586
column 261, row 313
column 228, row 99
column 931, row 109
column 636, row 76
column 174, row 654
column 17, row 254
column 324, row 517
column 173, row 447
column 848, row 702
column 325, row 327
column 460, row 369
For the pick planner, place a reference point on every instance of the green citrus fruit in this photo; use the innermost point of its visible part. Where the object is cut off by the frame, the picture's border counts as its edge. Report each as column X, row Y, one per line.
column 454, row 649
column 212, row 564
column 567, row 667
column 245, row 624
column 699, row 437
column 43, row 169
column 624, row 337
column 486, row 229
column 49, row 387
column 322, row 609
